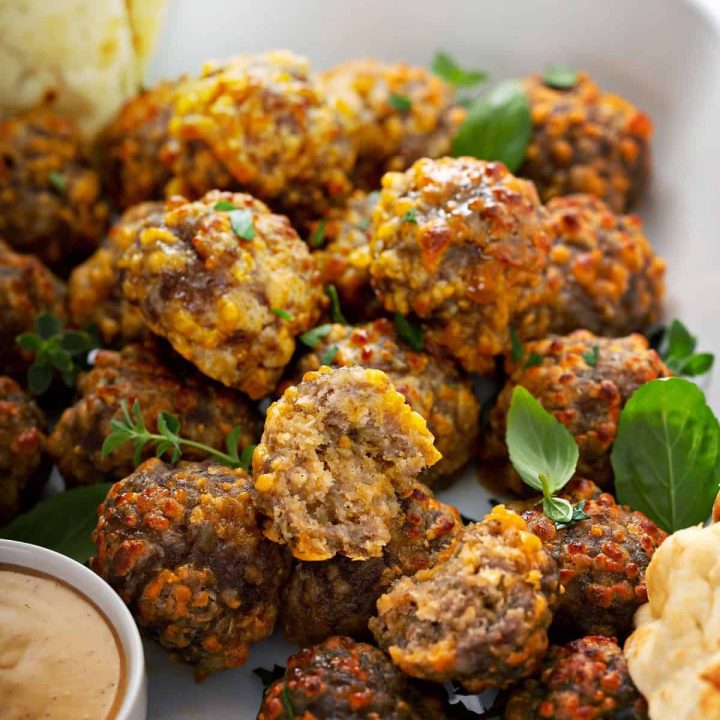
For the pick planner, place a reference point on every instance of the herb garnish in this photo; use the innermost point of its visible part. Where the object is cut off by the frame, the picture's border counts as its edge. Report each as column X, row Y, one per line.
column 410, row 216
column 677, row 349
column 447, row 69
column 313, row 336
column 281, row 313
column 402, row 103
column 497, row 126
column 224, row 206
column 592, row 356
column 559, row 77
column 131, row 428
column 666, row 454
column 58, row 182
column 55, row 349
column 543, row 453
column 329, row 355
column 534, row 359
column 268, row 677
column 410, row 333
column 317, row 238
column 335, row 310
column 241, row 220
column 516, row 349
column 287, row 704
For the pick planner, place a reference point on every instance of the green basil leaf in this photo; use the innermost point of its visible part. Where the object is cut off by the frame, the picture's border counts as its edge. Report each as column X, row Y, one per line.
column 680, row 343
column 312, row 337
column 63, row 522
column 410, row 333
column 578, row 514
column 242, row 224
column 329, row 355
column 498, row 126
column 39, row 378
column 402, row 103
column 281, row 313
column 447, row 69
column 224, row 206
column 538, row 444
column 47, row 325
column 29, row 342
column 558, row 509
column 57, row 181
column 666, row 453
column 318, row 234
column 697, row 364
column 559, row 77
column 335, row 312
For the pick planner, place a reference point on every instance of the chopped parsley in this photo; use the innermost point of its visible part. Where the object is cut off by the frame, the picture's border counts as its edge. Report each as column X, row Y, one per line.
column 58, row 181
column 410, row 216
column 411, row 334
column 335, row 311
column 317, row 239
column 329, row 355
column 313, row 336
column 401, row 103
column 591, row 356
column 284, row 314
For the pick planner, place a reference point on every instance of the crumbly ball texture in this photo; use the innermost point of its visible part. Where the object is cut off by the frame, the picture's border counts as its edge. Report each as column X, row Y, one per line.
column 432, row 386
column 133, row 148
column 344, row 260
column 232, row 306
column 207, row 412
column 23, row 466
column 260, row 123
column 396, row 114
column 604, row 274
column 481, row 616
column 587, row 141
column 586, row 399
column 95, row 287
column 50, row 197
column 183, row 547
column 602, row 562
column 338, row 596
column 344, row 680
column 586, row 679
column 337, row 453
column 460, row 243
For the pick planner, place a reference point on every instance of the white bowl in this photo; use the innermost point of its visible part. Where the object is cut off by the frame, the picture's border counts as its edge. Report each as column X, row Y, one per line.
column 32, row 557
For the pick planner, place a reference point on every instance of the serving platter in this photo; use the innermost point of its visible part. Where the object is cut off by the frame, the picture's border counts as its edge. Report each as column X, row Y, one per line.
column 664, row 55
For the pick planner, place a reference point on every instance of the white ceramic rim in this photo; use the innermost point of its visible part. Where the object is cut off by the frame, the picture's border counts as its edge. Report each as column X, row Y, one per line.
column 86, row 582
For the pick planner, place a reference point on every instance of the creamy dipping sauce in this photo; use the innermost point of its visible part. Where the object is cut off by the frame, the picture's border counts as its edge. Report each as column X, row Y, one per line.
column 59, row 656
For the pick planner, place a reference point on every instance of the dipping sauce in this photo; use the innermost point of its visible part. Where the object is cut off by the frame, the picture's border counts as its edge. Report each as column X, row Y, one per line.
column 59, row 656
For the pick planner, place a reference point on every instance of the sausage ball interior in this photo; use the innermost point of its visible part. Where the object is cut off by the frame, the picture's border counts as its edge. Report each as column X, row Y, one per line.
column 227, row 283
column 460, row 243
column 183, row 547
column 432, row 386
column 481, row 616
column 337, row 453
column 207, row 412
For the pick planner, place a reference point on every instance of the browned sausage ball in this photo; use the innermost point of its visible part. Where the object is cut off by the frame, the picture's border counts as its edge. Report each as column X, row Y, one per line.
column 23, row 468
column 338, row 596
column 588, row 141
column 461, row 243
column 337, row 453
column 27, row 288
column 586, row 679
column 602, row 561
column 133, row 148
column 603, row 271
column 207, row 412
column 95, row 287
column 183, row 547
column 585, row 393
column 50, row 203
column 229, row 288
column 344, row 680
column 481, row 616
column 344, row 260
column 396, row 113
column 432, row 386
column 260, row 123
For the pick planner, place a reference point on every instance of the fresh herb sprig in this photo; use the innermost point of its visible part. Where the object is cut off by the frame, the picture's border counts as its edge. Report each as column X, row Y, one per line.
column 336, row 314
column 544, row 454
column 560, row 77
column 401, row 103
column 241, row 219
column 313, row 336
column 446, row 68
column 409, row 332
column 677, row 349
column 56, row 351
column 131, row 428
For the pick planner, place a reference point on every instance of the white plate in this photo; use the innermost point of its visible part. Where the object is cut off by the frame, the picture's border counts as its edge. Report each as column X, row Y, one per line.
column 662, row 54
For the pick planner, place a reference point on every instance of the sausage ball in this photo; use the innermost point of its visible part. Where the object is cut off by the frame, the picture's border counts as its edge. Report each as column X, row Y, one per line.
column 396, row 114
column 586, row 679
column 95, row 287
column 338, row 596
column 23, row 466
column 207, row 412
column 260, row 123
column 344, row 680
column 183, row 547
column 481, row 616
column 50, row 202
column 27, row 289
column 134, row 152
column 229, row 285
column 337, row 452
column 584, row 140
column 602, row 561
column 603, row 271
column 461, row 243
column 432, row 386
column 344, row 261
column 584, row 381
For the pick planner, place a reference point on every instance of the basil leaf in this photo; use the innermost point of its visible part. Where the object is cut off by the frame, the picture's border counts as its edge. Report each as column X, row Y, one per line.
column 698, row 364
column 317, row 238
column 447, row 69
column 578, row 514
column 559, row 77
column 666, row 453
column 313, row 336
column 62, row 523
column 558, row 509
column 402, row 103
column 242, row 224
column 411, row 334
column 539, row 444
column 680, row 343
column 498, row 126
